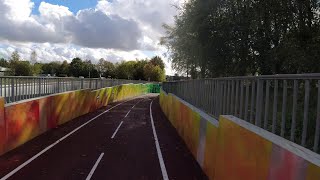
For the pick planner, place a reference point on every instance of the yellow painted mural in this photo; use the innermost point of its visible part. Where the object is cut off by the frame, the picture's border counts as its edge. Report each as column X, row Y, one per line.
column 235, row 151
column 241, row 152
column 20, row 122
column 210, row 150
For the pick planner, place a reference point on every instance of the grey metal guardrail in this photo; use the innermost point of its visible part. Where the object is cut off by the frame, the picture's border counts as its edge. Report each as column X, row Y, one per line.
column 286, row 105
column 20, row 88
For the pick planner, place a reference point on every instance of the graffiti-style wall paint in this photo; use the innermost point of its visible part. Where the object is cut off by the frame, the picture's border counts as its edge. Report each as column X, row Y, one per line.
column 235, row 149
column 210, row 150
column 22, row 121
column 242, row 152
column 198, row 131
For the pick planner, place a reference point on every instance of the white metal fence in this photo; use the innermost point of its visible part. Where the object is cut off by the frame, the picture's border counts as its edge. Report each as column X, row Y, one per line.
column 19, row 88
column 286, row 105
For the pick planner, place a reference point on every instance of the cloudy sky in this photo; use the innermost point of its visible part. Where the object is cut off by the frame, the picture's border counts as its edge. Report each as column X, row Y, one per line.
column 90, row 29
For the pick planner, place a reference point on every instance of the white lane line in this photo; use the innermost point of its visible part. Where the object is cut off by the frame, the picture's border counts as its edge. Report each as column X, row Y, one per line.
column 95, row 166
column 115, row 132
column 161, row 161
column 137, row 103
column 132, row 108
column 127, row 113
column 55, row 143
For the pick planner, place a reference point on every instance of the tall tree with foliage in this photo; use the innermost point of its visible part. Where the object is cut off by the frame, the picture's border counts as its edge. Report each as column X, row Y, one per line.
column 154, row 70
column 234, row 38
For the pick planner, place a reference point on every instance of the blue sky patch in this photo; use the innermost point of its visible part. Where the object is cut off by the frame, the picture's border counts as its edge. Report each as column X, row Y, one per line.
column 73, row 5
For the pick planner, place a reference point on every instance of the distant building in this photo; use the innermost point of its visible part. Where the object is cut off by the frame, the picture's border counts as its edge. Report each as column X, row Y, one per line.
column 4, row 71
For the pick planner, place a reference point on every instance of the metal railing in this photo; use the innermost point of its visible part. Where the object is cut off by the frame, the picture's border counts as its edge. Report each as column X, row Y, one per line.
column 20, row 88
column 286, row 105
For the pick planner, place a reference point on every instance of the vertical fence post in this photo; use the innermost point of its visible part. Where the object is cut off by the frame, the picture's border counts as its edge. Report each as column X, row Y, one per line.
column 241, row 99
column 266, row 106
column 305, row 112
column 58, row 89
column 284, row 108
column 258, row 103
column 81, row 83
column 294, row 110
column 237, row 98
column 317, row 133
column 12, row 90
column 275, row 106
column 253, row 90
column 39, row 87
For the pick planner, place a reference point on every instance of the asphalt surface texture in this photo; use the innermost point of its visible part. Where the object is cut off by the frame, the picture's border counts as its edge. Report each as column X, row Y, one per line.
column 115, row 142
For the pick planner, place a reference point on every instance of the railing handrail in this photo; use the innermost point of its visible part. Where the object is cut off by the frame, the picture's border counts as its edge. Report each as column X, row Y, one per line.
column 55, row 77
column 286, row 104
column 310, row 76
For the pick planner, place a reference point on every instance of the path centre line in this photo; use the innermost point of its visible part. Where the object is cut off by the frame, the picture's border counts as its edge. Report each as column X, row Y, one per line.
column 94, row 167
column 133, row 107
column 115, row 132
column 161, row 161
column 55, row 143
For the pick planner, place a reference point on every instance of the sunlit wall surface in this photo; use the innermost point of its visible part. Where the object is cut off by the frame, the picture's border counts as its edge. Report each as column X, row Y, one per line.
column 22, row 121
column 234, row 149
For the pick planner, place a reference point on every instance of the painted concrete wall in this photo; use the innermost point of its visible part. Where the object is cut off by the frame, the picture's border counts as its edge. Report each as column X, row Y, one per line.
column 233, row 149
column 197, row 129
column 24, row 120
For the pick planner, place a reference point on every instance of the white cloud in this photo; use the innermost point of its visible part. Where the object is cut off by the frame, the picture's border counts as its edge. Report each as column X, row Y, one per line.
column 92, row 28
column 150, row 14
column 59, row 52
column 53, row 12
column 20, row 12
column 56, row 24
column 117, row 30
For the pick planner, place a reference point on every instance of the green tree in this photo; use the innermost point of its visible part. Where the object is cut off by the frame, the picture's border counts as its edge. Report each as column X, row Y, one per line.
column 15, row 56
column 157, row 61
column 23, row 68
column 125, row 70
column 4, row 63
column 20, row 68
column 64, row 69
column 100, row 67
column 232, row 38
column 109, row 70
column 154, row 73
column 89, row 70
column 139, row 70
column 51, row 68
column 76, row 67
column 36, row 69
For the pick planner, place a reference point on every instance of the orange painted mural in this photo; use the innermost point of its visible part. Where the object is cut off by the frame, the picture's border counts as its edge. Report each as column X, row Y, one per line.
column 241, row 152
column 20, row 122
column 23, row 123
column 210, row 150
